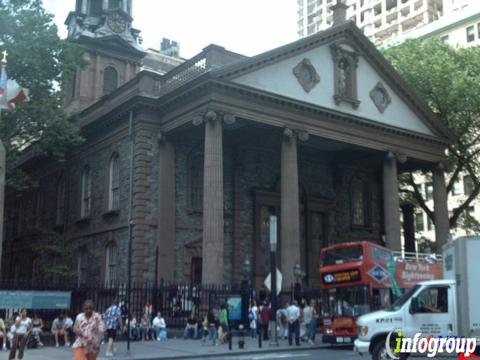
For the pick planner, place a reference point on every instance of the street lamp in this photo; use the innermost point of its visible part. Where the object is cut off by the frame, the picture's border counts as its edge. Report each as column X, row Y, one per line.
column 245, row 290
column 273, row 279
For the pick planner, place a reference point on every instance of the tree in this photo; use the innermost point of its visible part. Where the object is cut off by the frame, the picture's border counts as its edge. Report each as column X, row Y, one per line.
column 42, row 62
column 448, row 80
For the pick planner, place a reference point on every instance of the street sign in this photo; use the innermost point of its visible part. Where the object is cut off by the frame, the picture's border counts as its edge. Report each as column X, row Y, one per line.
column 268, row 282
column 18, row 299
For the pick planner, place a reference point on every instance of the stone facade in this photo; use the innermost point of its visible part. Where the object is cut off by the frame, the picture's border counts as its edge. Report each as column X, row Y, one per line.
column 213, row 157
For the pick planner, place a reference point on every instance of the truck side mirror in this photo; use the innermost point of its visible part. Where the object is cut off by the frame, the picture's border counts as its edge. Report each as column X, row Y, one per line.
column 413, row 305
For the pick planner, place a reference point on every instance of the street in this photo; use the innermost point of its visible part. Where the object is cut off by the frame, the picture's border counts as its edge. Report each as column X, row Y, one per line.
column 338, row 353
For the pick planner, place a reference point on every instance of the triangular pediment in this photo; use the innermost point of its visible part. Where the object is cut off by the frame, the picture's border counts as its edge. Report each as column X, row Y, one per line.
column 306, row 71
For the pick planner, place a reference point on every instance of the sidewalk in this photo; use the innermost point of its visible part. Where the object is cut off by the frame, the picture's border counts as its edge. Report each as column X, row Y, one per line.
column 171, row 349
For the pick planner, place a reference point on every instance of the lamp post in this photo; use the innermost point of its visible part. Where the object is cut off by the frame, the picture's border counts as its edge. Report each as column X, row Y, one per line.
column 245, row 291
column 273, row 279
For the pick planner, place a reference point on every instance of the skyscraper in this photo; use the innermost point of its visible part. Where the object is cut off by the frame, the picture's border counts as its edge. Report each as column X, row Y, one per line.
column 380, row 20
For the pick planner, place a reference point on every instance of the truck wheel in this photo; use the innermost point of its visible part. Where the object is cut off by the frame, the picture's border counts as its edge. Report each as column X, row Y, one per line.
column 379, row 351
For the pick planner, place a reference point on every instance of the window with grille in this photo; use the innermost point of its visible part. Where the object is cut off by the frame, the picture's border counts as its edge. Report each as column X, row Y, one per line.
column 196, row 181
column 114, row 183
column 467, row 185
column 110, row 80
column 470, row 33
column 419, row 222
column 86, row 203
column 60, row 208
column 359, row 203
column 111, row 264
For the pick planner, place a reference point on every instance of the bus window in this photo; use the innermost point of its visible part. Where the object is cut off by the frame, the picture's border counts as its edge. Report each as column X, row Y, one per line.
column 347, row 301
column 342, row 255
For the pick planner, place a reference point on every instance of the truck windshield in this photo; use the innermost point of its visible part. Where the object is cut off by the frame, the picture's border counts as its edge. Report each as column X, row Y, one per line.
column 403, row 299
column 346, row 301
column 342, row 255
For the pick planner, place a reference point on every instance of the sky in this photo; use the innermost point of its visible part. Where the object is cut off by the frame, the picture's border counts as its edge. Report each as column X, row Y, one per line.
column 249, row 27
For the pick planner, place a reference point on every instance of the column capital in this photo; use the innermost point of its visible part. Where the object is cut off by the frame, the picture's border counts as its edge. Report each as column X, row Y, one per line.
column 392, row 156
column 213, row 115
column 301, row 135
column 161, row 137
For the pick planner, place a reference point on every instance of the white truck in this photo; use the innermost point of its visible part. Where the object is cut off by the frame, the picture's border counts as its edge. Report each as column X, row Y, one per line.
column 441, row 308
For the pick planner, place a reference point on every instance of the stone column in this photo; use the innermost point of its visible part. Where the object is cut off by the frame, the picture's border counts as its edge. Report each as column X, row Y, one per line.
column 84, row 6
column 213, row 230
column 440, row 206
column 289, row 207
column 124, row 5
column 408, row 227
column 104, row 4
column 2, row 197
column 166, row 210
column 391, row 203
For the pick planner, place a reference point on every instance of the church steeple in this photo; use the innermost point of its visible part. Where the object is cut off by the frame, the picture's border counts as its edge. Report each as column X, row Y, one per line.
column 104, row 29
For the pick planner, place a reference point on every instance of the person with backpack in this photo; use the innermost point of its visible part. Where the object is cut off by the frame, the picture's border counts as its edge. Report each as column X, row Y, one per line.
column 265, row 319
column 252, row 318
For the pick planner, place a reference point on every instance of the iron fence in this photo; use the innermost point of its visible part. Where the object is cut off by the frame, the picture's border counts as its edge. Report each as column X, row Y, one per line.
column 176, row 301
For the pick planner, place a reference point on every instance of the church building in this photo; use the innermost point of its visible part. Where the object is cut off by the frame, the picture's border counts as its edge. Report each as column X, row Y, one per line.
column 200, row 155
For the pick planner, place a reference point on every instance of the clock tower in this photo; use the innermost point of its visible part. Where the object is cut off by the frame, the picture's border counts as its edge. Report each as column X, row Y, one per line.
column 104, row 29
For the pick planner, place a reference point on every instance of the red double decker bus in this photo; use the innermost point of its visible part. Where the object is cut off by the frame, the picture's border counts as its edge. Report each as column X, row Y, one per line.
column 360, row 277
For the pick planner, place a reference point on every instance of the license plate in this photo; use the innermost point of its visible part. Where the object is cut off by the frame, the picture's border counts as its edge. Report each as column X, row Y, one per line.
column 339, row 339
column 346, row 339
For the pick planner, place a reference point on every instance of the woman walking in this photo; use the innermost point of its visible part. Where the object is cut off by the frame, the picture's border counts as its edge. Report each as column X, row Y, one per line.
column 89, row 328
column 20, row 330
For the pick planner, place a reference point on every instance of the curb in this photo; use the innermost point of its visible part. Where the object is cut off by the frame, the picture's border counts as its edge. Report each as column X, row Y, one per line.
column 235, row 352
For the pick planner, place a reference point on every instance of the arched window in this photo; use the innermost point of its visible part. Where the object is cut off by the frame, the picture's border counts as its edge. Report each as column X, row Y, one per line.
column 359, row 203
column 110, row 80
column 195, row 179
column 86, row 200
column 111, row 263
column 60, row 208
column 114, row 183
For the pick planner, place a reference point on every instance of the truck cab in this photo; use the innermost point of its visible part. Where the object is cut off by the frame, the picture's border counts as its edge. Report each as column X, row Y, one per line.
column 429, row 307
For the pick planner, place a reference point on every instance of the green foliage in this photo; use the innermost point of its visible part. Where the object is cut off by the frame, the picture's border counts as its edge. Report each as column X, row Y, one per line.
column 42, row 62
column 59, row 257
column 448, row 80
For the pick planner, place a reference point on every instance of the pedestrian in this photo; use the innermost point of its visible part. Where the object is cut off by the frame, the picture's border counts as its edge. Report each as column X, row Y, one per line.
column 37, row 329
column 59, row 329
column 223, row 320
column 21, row 329
column 293, row 316
column 205, row 329
column 282, row 322
column 310, row 315
column 113, row 322
column 303, row 323
column 160, row 327
column 191, row 328
column 145, row 327
column 89, row 328
column 265, row 319
column 69, row 329
column 252, row 318
column 212, row 327
column 3, row 334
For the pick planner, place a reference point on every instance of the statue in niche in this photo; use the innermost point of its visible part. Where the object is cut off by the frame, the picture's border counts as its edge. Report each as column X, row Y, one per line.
column 343, row 76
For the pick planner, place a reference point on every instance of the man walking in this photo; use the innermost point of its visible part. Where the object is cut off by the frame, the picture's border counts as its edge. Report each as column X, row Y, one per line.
column 113, row 321
column 293, row 316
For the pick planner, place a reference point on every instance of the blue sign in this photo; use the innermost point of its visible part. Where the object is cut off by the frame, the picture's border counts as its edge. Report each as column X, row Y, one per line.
column 234, row 304
column 378, row 273
column 34, row 300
